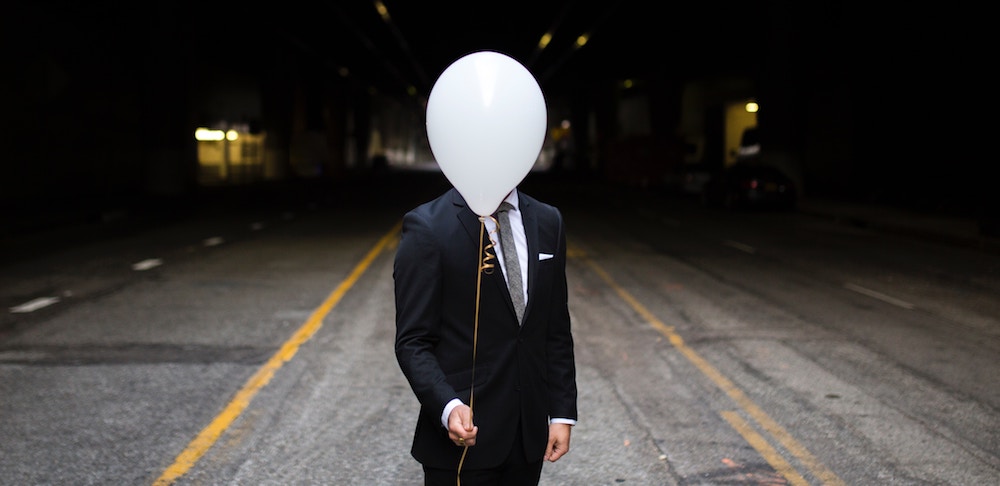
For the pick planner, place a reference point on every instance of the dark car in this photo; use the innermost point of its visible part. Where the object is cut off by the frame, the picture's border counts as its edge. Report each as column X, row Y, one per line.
column 750, row 186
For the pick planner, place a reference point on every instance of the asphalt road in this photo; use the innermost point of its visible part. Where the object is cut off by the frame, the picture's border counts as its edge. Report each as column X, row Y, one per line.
column 251, row 343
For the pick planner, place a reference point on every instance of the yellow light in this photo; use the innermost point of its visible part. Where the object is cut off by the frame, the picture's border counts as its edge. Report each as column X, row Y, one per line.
column 580, row 41
column 627, row 83
column 544, row 41
column 752, row 107
column 208, row 135
column 232, row 135
column 382, row 10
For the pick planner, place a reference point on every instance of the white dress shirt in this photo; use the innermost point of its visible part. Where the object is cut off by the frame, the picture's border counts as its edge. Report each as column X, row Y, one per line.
column 517, row 230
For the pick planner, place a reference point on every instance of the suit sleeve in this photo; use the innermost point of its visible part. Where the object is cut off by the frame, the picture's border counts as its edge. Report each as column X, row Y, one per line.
column 418, row 282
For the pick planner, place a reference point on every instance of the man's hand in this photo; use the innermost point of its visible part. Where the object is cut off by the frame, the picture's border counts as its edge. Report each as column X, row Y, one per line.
column 558, row 441
column 460, row 427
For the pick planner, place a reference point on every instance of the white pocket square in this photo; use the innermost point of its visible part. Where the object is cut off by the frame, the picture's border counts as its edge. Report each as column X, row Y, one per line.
column 544, row 256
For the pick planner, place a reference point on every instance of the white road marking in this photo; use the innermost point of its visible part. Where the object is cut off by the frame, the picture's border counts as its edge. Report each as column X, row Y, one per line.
column 740, row 246
column 147, row 264
column 878, row 295
column 35, row 304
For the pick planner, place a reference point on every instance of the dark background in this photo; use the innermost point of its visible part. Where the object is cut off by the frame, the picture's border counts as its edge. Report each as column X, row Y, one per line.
column 869, row 103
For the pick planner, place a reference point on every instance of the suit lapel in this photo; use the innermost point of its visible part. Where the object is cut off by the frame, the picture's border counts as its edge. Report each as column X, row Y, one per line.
column 470, row 221
column 531, row 236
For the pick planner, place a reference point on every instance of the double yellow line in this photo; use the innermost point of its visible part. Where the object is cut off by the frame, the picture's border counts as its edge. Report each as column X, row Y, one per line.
column 757, row 441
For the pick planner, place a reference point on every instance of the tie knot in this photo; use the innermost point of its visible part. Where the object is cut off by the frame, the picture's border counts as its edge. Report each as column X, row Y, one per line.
column 504, row 207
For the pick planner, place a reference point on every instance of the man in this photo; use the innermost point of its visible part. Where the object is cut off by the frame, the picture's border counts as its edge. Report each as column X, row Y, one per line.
column 497, row 396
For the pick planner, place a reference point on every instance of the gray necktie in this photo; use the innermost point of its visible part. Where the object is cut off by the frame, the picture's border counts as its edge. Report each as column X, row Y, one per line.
column 510, row 260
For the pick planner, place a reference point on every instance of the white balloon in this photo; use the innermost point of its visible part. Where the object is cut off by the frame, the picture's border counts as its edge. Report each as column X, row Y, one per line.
column 486, row 122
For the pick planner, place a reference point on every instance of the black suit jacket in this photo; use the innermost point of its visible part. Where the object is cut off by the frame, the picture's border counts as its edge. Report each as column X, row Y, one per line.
column 523, row 374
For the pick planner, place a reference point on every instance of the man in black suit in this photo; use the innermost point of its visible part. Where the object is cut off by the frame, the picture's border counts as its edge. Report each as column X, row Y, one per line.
column 459, row 342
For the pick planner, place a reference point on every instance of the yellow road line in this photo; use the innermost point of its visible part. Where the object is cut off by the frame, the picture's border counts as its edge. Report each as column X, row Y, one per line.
column 764, row 448
column 210, row 434
column 778, row 432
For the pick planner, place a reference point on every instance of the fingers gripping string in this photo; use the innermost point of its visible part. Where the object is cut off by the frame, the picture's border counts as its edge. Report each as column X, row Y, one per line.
column 486, row 266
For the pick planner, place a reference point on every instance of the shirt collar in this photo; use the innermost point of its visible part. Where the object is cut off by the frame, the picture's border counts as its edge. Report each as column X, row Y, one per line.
column 513, row 200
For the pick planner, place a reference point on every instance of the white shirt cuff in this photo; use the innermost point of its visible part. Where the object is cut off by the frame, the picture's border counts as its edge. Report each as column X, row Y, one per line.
column 447, row 411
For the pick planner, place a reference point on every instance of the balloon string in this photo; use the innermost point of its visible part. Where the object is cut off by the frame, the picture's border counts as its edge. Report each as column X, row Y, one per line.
column 485, row 266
